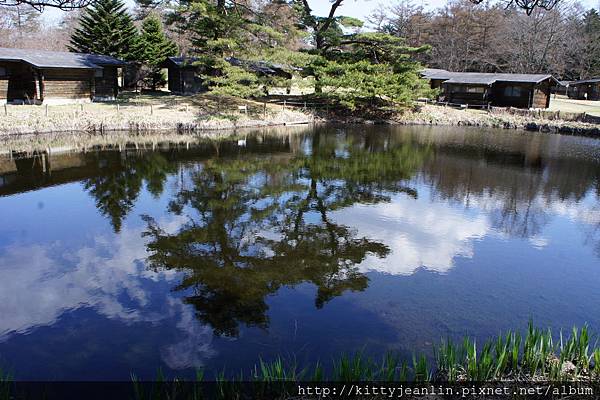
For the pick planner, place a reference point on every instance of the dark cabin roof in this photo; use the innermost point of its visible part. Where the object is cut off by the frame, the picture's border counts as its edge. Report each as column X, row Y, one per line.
column 259, row 67
column 482, row 78
column 59, row 59
column 182, row 62
column 584, row 81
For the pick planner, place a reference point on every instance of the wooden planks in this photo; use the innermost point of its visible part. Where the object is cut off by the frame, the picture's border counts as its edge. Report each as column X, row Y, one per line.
column 3, row 89
column 107, row 85
column 67, row 83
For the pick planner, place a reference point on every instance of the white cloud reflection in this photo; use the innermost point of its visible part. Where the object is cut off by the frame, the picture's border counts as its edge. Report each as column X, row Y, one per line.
column 44, row 282
column 420, row 234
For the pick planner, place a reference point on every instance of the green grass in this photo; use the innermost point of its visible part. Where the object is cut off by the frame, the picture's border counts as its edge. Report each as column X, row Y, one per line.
column 5, row 385
column 509, row 357
column 534, row 356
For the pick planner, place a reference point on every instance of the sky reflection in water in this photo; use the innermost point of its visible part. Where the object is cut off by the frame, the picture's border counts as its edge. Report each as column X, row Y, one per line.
column 304, row 245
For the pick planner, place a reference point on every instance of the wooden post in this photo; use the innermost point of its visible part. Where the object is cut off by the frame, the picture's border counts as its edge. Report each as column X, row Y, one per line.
column 42, row 88
column 5, row 109
column 284, row 103
column 265, row 110
column 81, row 107
column 46, row 110
column 151, row 110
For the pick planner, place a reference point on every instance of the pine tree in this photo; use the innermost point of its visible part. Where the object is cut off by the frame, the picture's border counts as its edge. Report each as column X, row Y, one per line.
column 152, row 48
column 105, row 28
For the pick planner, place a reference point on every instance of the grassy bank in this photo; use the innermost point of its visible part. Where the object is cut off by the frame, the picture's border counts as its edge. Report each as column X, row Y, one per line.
column 206, row 113
column 440, row 115
column 536, row 356
column 147, row 113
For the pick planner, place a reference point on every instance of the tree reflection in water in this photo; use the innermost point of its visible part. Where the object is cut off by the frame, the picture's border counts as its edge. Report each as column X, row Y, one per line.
column 117, row 185
column 257, row 224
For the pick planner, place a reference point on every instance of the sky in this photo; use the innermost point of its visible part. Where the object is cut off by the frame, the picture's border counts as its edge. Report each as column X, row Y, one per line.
column 363, row 8
column 352, row 8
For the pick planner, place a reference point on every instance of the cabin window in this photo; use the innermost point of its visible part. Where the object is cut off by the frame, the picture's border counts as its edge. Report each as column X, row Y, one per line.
column 467, row 89
column 98, row 73
column 512, row 91
column 458, row 89
column 3, row 71
column 475, row 89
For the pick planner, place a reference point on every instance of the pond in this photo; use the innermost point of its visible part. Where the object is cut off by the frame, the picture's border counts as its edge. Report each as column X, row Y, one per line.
column 303, row 243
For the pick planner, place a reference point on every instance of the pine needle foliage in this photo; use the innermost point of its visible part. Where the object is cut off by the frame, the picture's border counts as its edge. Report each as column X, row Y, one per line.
column 152, row 48
column 105, row 28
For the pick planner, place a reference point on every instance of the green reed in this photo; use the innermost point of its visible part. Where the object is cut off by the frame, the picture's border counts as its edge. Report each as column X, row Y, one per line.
column 5, row 385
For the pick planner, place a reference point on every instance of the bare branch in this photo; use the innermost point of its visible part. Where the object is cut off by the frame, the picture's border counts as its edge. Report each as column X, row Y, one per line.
column 528, row 5
column 65, row 5
column 331, row 16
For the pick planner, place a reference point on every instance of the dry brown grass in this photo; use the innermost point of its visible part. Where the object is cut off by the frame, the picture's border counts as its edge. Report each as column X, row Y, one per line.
column 146, row 113
column 562, row 103
column 440, row 115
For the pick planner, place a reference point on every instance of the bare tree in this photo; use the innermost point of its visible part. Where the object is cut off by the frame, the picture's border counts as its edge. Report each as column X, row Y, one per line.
column 527, row 5
column 490, row 38
column 22, row 26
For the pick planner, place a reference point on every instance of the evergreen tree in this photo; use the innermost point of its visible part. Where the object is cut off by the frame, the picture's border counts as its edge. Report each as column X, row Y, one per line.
column 105, row 28
column 152, row 48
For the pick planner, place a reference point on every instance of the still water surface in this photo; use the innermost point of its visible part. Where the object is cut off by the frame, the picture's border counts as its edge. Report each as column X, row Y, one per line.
column 305, row 244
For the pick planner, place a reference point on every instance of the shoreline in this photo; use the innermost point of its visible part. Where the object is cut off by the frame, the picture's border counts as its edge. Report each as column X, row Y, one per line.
column 512, row 357
column 435, row 115
column 104, row 118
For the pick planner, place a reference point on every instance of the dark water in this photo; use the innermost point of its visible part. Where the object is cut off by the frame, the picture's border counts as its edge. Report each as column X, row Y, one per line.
column 304, row 244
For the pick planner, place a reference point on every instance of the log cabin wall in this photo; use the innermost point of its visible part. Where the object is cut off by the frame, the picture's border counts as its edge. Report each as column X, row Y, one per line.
column 17, row 82
column 436, row 83
column 191, row 81
column 69, row 84
column 541, row 95
column 184, row 80
column 4, row 68
column 594, row 92
column 174, row 78
column 106, row 86
column 512, row 94
column 465, row 94
column 585, row 91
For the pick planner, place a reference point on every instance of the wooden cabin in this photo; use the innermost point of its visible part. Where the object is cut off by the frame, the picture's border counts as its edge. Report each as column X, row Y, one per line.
column 561, row 88
column 49, row 77
column 588, row 89
column 489, row 89
column 184, row 75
